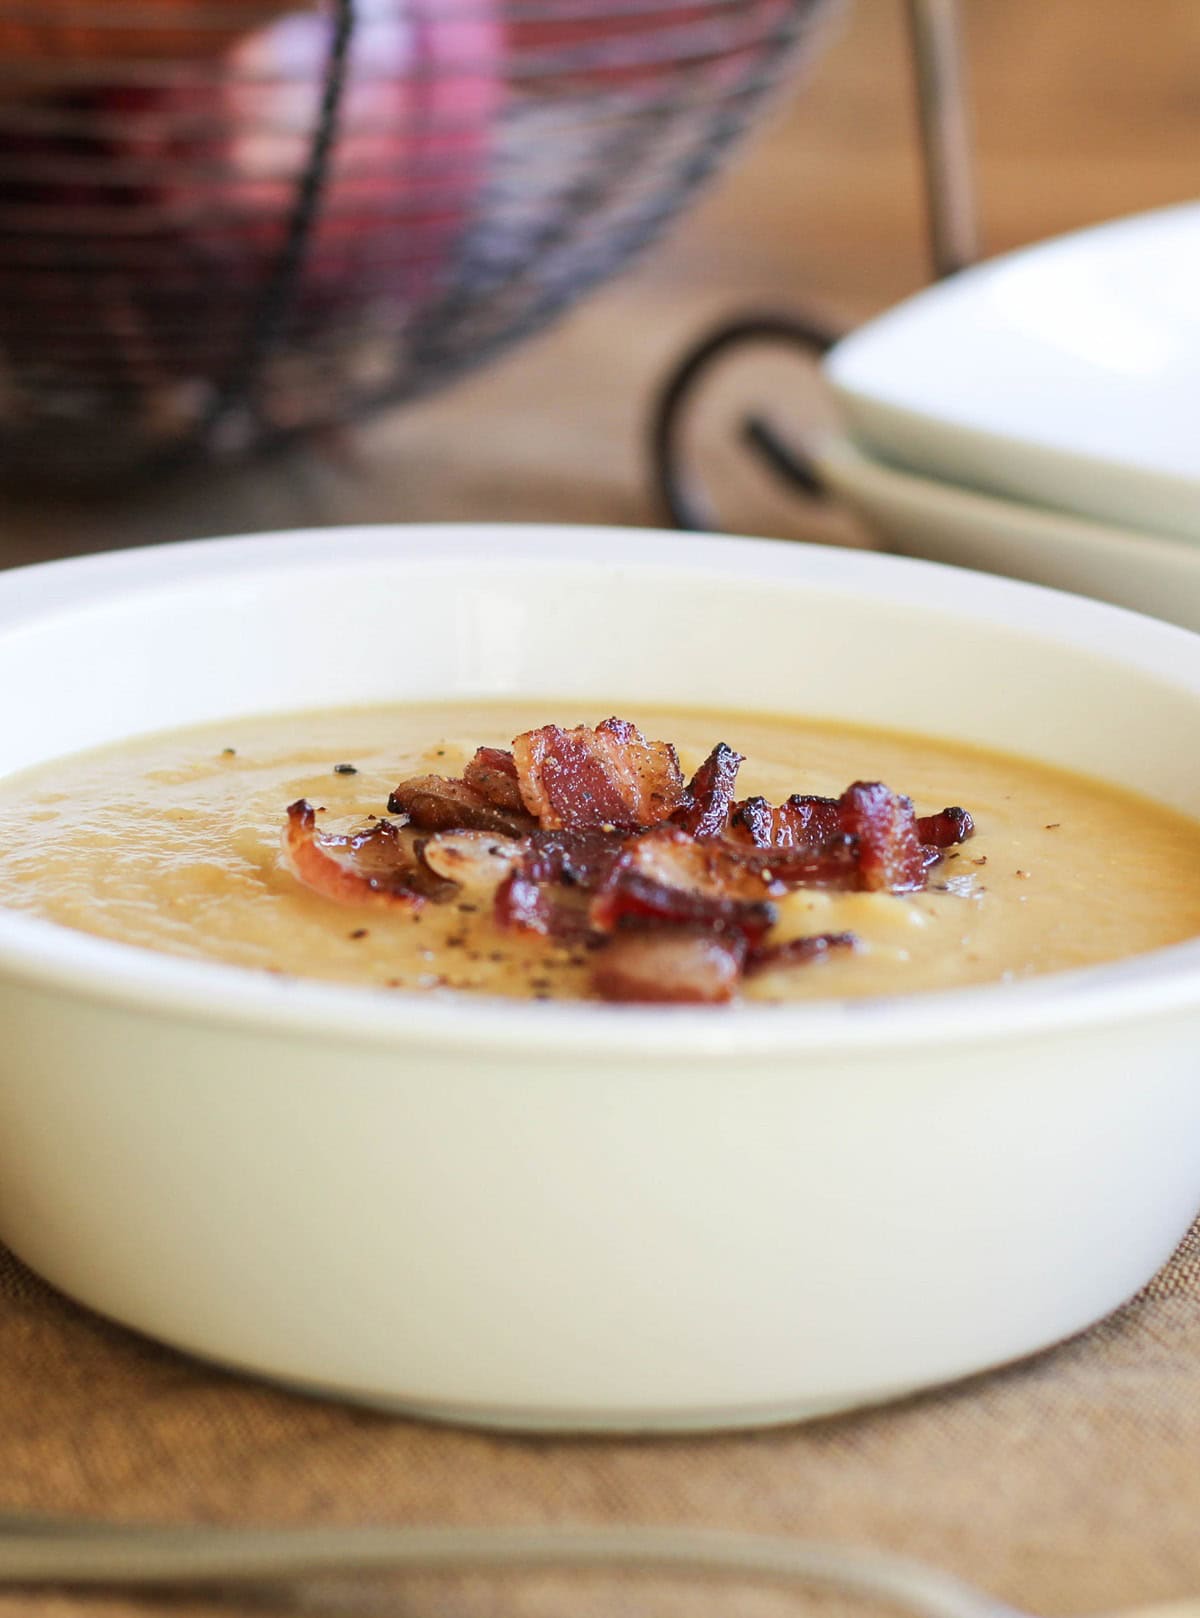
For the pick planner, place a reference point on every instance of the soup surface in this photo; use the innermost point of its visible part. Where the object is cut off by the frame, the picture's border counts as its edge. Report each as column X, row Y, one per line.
column 173, row 843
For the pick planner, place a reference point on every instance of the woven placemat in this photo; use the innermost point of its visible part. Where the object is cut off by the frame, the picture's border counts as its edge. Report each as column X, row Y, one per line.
column 1067, row 1484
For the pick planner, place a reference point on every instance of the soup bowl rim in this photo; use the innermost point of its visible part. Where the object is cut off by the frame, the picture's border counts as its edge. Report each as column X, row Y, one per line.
column 44, row 955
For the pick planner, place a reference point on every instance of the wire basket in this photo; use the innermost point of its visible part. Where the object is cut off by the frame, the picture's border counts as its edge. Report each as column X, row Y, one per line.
column 223, row 222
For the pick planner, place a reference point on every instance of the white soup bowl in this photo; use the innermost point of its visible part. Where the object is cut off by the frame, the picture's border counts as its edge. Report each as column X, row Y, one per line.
column 588, row 1216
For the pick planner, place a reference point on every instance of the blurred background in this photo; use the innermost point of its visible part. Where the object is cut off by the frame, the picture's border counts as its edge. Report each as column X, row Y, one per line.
column 1081, row 111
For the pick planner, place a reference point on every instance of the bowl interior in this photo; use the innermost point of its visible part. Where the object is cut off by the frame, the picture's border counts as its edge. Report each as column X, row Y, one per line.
column 202, row 632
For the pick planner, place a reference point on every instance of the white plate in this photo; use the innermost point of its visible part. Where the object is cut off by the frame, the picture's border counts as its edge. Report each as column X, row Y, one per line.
column 1066, row 374
column 922, row 517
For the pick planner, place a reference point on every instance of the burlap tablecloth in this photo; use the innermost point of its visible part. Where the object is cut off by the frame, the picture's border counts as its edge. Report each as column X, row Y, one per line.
column 1067, row 1484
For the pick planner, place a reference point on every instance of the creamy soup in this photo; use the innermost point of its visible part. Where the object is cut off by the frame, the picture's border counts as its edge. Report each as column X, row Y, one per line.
column 172, row 843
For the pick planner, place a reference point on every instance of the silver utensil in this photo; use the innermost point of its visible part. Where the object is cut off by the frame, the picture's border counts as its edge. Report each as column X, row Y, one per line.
column 44, row 1550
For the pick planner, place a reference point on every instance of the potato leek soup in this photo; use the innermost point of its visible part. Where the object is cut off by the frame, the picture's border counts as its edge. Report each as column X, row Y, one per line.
column 524, row 851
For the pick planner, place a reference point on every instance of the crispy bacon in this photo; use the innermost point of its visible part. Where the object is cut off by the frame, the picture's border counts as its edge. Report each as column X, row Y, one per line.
column 523, row 906
column 493, row 774
column 868, row 838
column 662, row 876
column 635, row 900
column 376, row 866
column 577, row 859
column 550, row 910
column 947, row 827
column 607, row 776
column 709, row 797
column 884, row 827
column 590, row 836
column 669, row 967
column 804, row 821
column 547, row 891
column 437, row 803
column 668, row 878
column 711, row 867
column 797, row 951
column 835, row 865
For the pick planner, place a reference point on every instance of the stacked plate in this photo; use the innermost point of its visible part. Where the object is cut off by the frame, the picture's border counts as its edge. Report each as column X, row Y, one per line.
column 1039, row 416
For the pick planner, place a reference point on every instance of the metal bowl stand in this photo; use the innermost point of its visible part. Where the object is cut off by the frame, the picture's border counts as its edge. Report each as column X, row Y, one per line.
column 939, row 76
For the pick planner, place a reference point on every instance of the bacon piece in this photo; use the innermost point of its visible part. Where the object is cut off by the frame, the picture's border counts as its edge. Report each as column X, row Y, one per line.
column 523, row 906
column 866, row 839
column 668, row 878
column 377, row 866
column 722, row 869
column 578, row 859
column 635, row 900
column 804, row 821
column 436, row 803
column 706, row 866
column 551, row 911
column 669, row 967
column 607, row 776
column 835, row 865
column 947, row 827
column 547, row 891
column 705, row 811
column 797, row 951
column 884, row 827
column 493, row 774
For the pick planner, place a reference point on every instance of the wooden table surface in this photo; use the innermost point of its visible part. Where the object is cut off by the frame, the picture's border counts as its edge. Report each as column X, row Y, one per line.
column 1083, row 109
